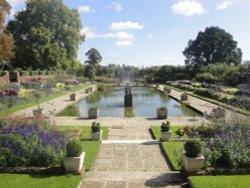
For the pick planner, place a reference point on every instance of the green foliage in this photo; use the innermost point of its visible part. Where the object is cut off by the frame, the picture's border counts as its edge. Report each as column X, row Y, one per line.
column 94, row 57
column 95, row 127
column 212, row 46
column 206, row 77
column 90, row 72
column 74, row 148
column 52, row 35
column 193, row 147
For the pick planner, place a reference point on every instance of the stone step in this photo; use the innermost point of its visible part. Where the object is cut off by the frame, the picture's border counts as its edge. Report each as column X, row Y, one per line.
column 145, row 142
column 169, row 177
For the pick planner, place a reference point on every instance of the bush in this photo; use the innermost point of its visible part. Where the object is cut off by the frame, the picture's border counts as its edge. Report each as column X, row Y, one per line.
column 165, row 127
column 95, row 127
column 206, row 77
column 74, row 148
column 193, row 147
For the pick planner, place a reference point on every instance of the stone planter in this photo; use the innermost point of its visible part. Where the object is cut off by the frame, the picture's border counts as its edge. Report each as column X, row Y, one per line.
column 73, row 97
column 193, row 164
column 184, row 97
column 74, row 164
column 161, row 113
column 167, row 90
column 97, row 135
column 38, row 113
column 93, row 113
column 165, row 136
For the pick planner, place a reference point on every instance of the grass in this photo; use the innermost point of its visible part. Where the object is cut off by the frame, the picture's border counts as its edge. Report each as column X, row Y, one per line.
column 240, row 181
column 171, row 148
column 157, row 132
column 173, row 151
column 90, row 147
column 240, row 110
column 71, row 110
column 44, row 99
column 38, row 181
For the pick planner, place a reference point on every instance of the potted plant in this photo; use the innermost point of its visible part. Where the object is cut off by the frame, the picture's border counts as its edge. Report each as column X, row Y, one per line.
column 93, row 113
column 73, row 162
column 184, row 97
column 167, row 90
column 96, row 131
column 180, row 132
column 73, row 97
column 162, row 113
column 192, row 159
column 37, row 113
column 165, row 131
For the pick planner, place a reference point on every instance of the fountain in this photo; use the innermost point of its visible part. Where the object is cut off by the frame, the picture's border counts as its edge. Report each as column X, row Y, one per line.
column 128, row 98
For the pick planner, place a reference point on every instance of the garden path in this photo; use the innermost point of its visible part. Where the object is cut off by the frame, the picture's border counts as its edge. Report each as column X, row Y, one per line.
column 55, row 105
column 131, row 159
column 202, row 106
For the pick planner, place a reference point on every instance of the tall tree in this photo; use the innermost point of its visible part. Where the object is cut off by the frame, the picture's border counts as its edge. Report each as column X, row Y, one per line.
column 214, row 45
column 94, row 57
column 47, row 35
column 6, row 39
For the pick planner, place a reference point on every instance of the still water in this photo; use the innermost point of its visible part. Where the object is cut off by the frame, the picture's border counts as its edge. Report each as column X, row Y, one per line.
column 145, row 102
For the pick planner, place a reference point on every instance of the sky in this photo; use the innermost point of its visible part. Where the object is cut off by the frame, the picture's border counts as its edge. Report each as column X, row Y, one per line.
column 147, row 33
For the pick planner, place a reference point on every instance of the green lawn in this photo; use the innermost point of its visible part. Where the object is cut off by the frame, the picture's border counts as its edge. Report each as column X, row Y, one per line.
column 71, row 110
column 241, row 181
column 38, row 181
column 173, row 151
column 157, row 131
column 44, row 99
column 172, row 148
column 90, row 147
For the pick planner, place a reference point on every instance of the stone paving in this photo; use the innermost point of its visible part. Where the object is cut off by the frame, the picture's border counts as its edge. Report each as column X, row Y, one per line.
column 131, row 159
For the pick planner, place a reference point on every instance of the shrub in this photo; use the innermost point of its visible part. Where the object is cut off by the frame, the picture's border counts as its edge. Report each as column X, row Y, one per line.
column 193, row 147
column 74, row 148
column 165, row 127
column 180, row 132
column 95, row 127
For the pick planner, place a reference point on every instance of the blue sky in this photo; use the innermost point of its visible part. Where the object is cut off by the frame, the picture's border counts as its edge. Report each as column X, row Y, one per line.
column 154, row 32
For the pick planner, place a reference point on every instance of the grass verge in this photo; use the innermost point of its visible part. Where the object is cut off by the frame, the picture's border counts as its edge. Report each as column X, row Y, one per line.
column 156, row 130
column 239, row 181
column 38, row 181
column 71, row 110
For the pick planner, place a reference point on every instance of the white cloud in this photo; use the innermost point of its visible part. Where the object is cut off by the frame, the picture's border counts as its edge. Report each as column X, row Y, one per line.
column 115, row 6
column 126, row 25
column 88, row 33
column 224, row 5
column 150, row 36
column 124, row 43
column 166, row 58
column 15, row 2
column 85, row 9
column 174, row 30
column 188, row 8
column 118, row 35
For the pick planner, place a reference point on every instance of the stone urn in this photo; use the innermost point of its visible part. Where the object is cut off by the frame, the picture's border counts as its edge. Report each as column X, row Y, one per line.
column 167, row 90
column 193, row 164
column 73, row 97
column 93, row 113
column 74, row 164
column 161, row 113
column 38, row 113
column 184, row 97
column 96, row 136
column 165, row 136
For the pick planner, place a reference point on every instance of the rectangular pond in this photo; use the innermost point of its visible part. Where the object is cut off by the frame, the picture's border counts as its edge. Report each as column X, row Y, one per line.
column 145, row 102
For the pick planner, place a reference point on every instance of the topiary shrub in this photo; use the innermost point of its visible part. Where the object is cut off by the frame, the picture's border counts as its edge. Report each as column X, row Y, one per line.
column 95, row 127
column 165, row 127
column 74, row 148
column 193, row 147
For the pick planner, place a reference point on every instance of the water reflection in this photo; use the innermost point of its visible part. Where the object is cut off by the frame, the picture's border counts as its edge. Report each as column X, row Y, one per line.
column 145, row 102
